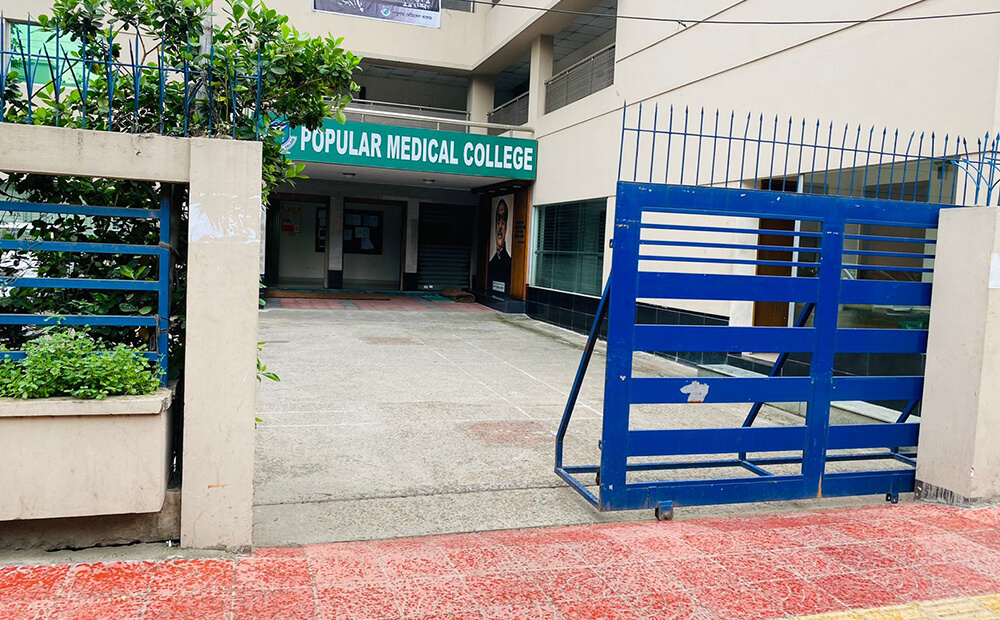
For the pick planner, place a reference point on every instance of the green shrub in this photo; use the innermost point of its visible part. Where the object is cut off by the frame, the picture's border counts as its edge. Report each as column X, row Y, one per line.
column 68, row 362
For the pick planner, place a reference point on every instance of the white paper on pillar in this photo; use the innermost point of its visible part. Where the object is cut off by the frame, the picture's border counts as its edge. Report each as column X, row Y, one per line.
column 994, row 270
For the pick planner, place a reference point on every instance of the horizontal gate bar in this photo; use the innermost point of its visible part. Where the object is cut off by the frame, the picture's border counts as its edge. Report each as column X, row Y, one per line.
column 731, row 230
column 921, row 241
column 152, row 356
column 37, row 207
column 888, row 254
column 703, row 492
column 718, row 339
column 726, row 261
column 877, row 388
column 28, row 245
column 885, row 292
column 881, row 341
column 655, row 285
column 852, row 436
column 733, row 246
column 106, row 320
column 719, row 201
column 667, row 390
column 690, row 441
column 81, row 283
column 577, row 485
column 747, row 203
column 868, row 482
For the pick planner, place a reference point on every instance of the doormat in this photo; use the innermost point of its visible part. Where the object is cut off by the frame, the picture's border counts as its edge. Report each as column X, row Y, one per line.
column 277, row 293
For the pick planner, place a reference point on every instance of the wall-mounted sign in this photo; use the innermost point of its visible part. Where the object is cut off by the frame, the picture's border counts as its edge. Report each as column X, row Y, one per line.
column 419, row 12
column 407, row 148
column 321, row 229
column 291, row 218
column 362, row 232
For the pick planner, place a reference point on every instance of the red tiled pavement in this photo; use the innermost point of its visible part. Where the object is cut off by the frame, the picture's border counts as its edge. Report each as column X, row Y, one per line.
column 707, row 569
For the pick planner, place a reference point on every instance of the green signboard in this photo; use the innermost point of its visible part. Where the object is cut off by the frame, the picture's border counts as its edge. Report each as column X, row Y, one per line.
column 407, row 148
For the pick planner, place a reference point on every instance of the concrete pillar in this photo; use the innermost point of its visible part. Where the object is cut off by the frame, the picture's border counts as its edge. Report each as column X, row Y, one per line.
column 541, row 70
column 958, row 459
column 412, row 240
column 479, row 101
column 335, row 244
column 220, row 382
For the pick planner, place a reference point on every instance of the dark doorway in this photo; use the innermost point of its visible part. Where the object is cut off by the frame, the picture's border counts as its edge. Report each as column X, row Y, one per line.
column 444, row 247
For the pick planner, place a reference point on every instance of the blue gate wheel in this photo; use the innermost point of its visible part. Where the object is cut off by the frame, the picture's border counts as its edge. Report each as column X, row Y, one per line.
column 664, row 511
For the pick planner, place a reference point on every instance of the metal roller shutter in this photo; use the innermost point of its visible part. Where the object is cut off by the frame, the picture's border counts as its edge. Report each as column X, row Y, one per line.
column 444, row 247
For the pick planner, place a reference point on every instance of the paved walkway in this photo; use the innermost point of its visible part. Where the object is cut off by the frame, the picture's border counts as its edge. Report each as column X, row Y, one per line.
column 706, row 569
column 410, row 417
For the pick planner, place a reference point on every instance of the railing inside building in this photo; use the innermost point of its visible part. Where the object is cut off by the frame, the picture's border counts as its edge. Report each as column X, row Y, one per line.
column 514, row 112
column 423, row 117
column 406, row 115
column 584, row 78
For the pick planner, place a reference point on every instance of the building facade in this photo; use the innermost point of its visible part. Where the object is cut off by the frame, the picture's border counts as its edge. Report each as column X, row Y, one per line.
column 483, row 151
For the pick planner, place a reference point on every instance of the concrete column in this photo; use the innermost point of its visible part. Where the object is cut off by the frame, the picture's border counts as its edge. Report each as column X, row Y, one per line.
column 412, row 240
column 479, row 101
column 960, row 415
column 541, row 70
column 335, row 244
column 220, row 382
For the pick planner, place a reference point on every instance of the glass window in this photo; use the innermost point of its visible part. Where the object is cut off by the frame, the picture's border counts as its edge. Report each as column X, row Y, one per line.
column 570, row 247
column 45, row 55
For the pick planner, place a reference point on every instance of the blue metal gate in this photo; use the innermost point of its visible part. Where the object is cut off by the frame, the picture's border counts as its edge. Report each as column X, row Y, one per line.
column 826, row 253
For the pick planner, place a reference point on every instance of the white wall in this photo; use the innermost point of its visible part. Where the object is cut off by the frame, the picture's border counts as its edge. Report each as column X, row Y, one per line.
column 298, row 259
column 457, row 44
column 938, row 75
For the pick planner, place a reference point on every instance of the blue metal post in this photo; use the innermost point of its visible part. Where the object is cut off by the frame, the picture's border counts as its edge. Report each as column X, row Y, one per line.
column 621, row 339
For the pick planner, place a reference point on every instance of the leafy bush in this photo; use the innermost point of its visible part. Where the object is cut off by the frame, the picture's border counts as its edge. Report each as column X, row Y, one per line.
column 71, row 363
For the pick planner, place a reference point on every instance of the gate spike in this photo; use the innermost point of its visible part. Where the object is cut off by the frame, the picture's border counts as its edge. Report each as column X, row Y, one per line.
column 670, row 139
column 756, row 158
column 854, row 161
column 892, row 166
column 638, row 137
column 701, row 138
column 843, row 149
column 684, row 140
column 652, row 149
column 788, row 147
column 774, row 146
column 715, row 148
column 906, row 160
column 729, row 145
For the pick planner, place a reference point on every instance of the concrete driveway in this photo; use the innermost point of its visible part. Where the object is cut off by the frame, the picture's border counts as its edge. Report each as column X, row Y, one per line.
column 411, row 417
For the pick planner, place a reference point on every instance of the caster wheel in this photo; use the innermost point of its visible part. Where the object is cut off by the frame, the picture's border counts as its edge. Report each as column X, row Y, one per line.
column 664, row 511
column 892, row 498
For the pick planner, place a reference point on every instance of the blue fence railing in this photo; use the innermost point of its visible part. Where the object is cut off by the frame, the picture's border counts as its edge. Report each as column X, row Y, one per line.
column 158, row 323
column 40, row 66
column 701, row 147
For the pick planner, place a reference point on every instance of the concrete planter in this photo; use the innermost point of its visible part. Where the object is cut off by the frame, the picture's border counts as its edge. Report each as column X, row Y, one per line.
column 62, row 457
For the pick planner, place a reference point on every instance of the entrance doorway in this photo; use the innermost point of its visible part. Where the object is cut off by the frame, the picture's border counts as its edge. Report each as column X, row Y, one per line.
column 373, row 243
column 296, row 252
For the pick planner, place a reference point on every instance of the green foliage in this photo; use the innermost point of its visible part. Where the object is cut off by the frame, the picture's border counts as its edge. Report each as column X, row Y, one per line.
column 302, row 79
column 71, row 363
column 262, row 371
